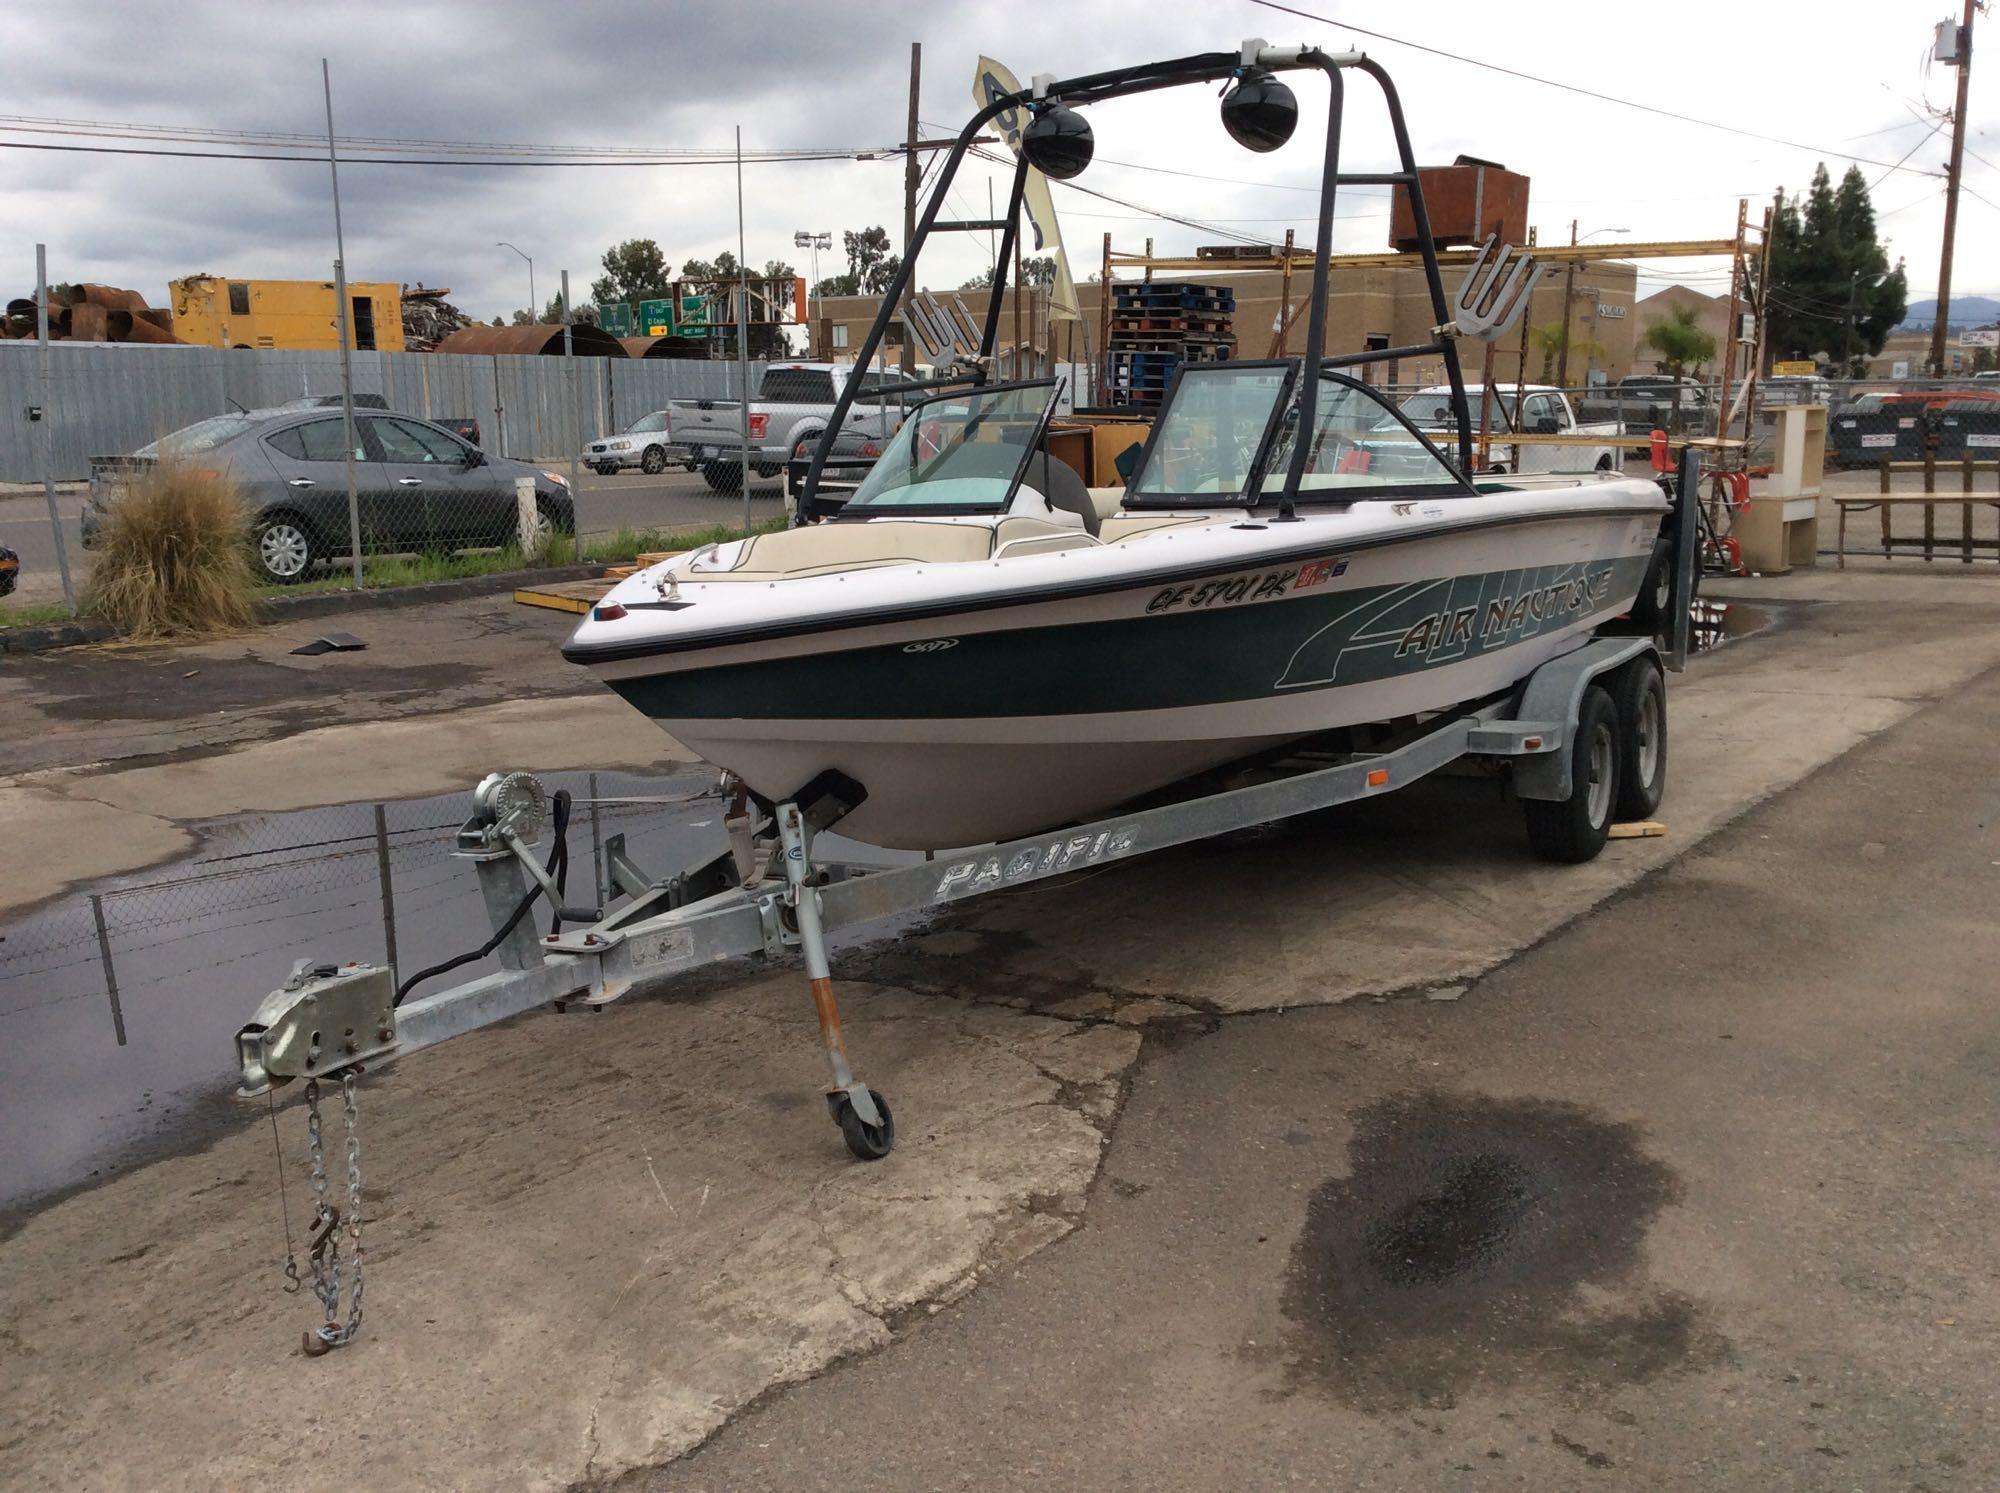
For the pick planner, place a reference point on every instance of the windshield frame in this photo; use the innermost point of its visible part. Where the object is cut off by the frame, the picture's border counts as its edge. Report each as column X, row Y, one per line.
column 1254, row 477
column 860, row 512
column 1459, row 485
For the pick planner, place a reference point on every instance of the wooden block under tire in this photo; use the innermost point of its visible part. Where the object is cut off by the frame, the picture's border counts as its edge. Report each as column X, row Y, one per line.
column 1637, row 829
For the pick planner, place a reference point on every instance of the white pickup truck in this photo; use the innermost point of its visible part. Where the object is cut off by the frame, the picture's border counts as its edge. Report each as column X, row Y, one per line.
column 793, row 406
column 1544, row 411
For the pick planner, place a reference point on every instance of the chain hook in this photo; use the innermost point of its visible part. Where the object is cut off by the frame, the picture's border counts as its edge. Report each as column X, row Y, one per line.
column 323, row 1243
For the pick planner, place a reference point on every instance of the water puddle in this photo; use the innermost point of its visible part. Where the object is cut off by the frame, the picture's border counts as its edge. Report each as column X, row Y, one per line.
column 1720, row 622
column 1475, row 1242
column 192, row 947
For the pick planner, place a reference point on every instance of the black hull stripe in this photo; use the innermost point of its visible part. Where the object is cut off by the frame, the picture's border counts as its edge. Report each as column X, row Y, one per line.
column 604, row 653
column 1221, row 655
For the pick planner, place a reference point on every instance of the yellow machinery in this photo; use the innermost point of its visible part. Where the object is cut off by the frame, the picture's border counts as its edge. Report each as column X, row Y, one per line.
column 215, row 311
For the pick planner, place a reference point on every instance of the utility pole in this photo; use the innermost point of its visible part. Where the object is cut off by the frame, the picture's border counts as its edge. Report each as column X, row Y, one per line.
column 1569, row 290
column 346, row 337
column 910, row 205
column 1847, row 330
column 1964, row 64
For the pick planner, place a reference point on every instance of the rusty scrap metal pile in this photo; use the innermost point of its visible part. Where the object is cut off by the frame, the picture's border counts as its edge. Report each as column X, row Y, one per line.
column 428, row 318
column 92, row 313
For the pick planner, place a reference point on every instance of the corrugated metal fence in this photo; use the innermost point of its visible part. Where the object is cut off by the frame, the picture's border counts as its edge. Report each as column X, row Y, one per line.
column 106, row 399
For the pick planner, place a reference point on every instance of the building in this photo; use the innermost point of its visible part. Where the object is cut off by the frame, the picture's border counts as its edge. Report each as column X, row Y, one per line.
column 1385, row 306
column 1711, row 315
column 215, row 311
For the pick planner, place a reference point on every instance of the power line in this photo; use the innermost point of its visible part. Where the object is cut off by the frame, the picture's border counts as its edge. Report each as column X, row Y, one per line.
column 1590, row 93
column 1906, row 155
column 1139, row 207
column 320, row 160
column 291, row 140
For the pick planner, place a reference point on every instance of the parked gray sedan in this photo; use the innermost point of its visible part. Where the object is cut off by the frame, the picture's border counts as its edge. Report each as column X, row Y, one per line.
column 419, row 486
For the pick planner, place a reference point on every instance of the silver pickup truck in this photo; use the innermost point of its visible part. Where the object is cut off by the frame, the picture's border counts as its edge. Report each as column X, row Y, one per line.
column 793, row 405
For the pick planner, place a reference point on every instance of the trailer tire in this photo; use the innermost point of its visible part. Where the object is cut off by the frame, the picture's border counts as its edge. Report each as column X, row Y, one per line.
column 722, row 476
column 1574, row 830
column 1655, row 601
column 867, row 1142
column 1640, row 693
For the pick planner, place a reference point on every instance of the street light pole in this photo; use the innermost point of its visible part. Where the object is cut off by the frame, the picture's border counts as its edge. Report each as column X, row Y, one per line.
column 1569, row 293
column 534, row 307
column 743, row 329
column 812, row 242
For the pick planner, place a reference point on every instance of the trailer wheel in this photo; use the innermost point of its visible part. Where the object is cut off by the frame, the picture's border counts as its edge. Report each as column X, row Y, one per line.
column 867, row 1142
column 1575, row 829
column 1655, row 601
column 1640, row 693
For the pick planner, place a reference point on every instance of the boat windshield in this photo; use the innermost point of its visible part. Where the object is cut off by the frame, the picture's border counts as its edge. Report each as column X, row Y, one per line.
column 963, row 452
column 1358, row 442
column 1207, row 441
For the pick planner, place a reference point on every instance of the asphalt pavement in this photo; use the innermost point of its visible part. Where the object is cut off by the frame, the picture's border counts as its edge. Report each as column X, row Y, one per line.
column 672, row 500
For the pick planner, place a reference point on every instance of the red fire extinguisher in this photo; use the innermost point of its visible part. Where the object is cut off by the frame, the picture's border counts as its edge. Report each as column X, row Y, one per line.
column 1661, row 461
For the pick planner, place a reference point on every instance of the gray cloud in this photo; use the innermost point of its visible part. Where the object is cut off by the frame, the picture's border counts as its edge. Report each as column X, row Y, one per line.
column 795, row 73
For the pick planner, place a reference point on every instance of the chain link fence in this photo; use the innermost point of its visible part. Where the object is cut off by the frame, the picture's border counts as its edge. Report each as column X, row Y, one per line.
column 113, row 1000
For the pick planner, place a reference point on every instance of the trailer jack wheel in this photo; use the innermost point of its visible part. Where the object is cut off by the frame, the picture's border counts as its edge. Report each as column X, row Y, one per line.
column 868, row 1142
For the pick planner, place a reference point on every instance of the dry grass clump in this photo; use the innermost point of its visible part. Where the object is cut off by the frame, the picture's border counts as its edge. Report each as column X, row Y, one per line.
column 174, row 557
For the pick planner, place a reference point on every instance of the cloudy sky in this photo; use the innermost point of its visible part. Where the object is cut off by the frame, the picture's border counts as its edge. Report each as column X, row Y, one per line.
column 1838, row 76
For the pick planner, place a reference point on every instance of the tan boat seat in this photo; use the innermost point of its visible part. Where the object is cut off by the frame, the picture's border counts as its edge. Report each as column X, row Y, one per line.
column 827, row 547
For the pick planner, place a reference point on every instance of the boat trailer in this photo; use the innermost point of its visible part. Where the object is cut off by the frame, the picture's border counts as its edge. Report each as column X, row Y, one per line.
column 768, row 893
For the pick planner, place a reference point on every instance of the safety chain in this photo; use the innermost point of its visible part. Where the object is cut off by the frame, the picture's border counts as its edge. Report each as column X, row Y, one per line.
column 323, row 1242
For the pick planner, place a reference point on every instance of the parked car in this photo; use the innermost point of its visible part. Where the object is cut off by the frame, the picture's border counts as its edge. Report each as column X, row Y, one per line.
column 10, row 570
column 794, row 403
column 853, row 453
column 1641, row 403
column 420, row 487
column 463, row 426
column 644, row 444
column 1544, row 411
column 1792, row 389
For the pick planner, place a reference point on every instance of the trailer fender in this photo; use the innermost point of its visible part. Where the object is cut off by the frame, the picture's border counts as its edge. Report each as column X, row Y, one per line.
column 1554, row 692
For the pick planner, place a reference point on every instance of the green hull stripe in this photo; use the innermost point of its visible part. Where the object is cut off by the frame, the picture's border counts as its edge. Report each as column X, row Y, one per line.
column 1197, row 645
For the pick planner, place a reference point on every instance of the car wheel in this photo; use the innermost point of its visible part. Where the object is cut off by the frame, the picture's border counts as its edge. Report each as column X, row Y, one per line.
column 653, row 462
column 285, row 549
column 552, row 520
column 722, row 476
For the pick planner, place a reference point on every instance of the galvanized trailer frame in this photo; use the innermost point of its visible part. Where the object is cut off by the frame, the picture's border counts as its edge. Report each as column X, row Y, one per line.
column 768, row 894
column 772, row 896
column 793, row 899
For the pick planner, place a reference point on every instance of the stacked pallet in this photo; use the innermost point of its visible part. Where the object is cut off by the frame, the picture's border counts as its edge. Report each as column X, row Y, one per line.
column 1156, row 327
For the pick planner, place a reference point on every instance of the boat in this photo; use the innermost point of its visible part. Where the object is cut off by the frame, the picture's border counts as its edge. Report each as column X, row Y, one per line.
column 978, row 646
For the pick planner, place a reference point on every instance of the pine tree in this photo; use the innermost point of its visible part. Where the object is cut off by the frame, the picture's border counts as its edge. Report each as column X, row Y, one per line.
column 1832, row 293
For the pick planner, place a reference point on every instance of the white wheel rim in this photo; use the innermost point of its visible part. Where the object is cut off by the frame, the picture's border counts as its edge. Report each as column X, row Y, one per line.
column 1648, row 727
column 283, row 549
column 1602, row 758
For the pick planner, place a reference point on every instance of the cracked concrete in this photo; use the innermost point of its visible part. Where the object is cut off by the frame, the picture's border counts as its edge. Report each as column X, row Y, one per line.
column 573, row 1269
column 594, row 1237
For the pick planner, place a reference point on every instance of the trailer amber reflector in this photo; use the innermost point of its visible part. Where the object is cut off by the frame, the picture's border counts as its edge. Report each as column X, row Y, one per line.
column 1379, row 778
column 1531, row 743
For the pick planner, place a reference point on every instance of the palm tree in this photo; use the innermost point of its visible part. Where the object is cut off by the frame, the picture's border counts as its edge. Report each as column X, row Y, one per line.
column 1548, row 340
column 1683, row 348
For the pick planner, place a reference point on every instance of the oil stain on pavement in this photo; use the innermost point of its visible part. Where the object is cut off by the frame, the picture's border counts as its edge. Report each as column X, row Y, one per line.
column 1479, row 1242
